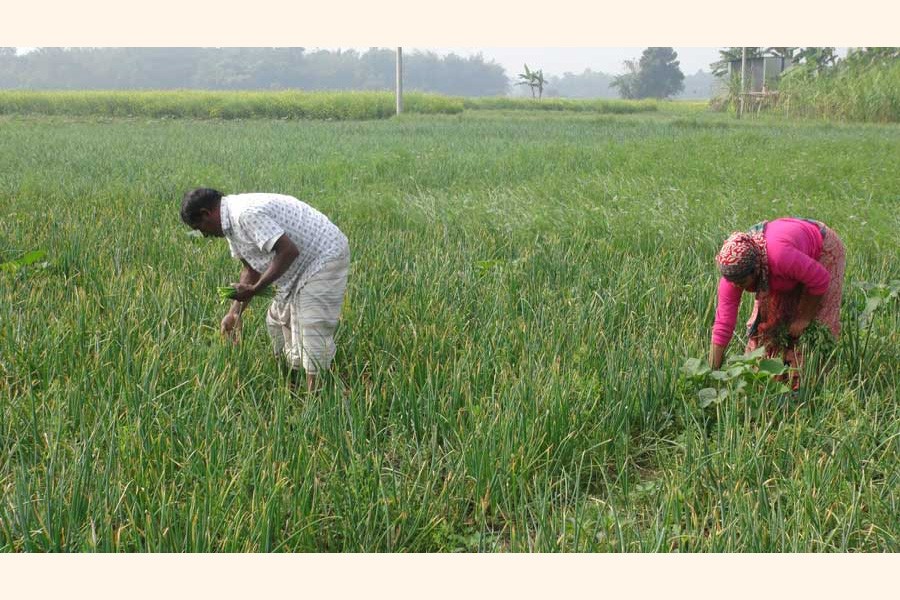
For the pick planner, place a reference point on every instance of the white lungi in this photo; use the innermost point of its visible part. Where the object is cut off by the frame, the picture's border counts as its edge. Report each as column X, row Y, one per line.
column 302, row 327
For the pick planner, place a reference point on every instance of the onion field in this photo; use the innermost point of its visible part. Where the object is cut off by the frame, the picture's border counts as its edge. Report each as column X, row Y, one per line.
column 525, row 289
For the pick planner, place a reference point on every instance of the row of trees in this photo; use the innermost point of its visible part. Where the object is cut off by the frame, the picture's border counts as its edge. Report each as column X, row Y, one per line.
column 247, row 68
column 655, row 75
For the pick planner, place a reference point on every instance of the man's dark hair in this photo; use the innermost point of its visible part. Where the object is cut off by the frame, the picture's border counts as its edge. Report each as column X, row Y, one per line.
column 196, row 200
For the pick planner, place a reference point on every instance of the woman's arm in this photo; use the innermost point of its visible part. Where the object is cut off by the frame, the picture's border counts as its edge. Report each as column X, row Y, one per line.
column 729, row 300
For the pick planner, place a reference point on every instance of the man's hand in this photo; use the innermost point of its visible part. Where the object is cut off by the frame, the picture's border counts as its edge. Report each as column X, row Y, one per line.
column 231, row 327
column 243, row 292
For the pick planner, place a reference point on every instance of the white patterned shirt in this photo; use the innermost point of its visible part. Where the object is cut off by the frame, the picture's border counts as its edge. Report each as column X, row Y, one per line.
column 252, row 223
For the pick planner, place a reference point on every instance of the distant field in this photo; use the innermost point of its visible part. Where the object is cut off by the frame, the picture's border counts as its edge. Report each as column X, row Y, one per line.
column 341, row 106
column 525, row 287
column 562, row 104
column 338, row 106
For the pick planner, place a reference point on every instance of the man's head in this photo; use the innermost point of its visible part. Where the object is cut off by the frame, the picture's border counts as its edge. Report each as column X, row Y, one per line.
column 200, row 211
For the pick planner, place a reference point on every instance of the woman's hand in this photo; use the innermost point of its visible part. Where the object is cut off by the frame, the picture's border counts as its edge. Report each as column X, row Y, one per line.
column 716, row 354
column 797, row 327
column 807, row 308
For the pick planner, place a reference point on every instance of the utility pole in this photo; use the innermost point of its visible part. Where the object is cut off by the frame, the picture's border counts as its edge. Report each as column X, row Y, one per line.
column 743, row 78
column 399, row 80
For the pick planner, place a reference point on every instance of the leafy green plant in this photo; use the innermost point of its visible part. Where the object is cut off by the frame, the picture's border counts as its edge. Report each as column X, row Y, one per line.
column 744, row 374
column 878, row 295
column 873, row 299
column 483, row 267
column 29, row 259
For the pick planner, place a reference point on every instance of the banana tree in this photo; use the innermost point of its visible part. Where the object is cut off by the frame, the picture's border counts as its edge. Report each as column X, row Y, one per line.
column 726, row 56
column 534, row 80
column 817, row 60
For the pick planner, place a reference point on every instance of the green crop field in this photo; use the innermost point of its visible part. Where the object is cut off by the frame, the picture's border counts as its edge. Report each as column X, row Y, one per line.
column 525, row 288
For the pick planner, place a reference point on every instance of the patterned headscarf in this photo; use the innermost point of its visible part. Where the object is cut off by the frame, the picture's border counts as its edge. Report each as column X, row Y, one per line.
column 744, row 254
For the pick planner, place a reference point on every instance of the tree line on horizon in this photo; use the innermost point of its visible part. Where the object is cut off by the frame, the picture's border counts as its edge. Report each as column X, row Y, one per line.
column 246, row 69
column 289, row 68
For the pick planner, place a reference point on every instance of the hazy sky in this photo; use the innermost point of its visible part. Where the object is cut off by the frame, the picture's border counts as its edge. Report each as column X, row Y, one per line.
column 556, row 61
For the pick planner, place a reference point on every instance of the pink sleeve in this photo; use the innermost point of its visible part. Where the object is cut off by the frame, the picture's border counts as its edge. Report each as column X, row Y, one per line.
column 788, row 262
column 726, row 312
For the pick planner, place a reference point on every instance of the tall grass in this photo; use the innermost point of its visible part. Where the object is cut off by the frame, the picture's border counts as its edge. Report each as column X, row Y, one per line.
column 869, row 94
column 523, row 292
column 224, row 105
